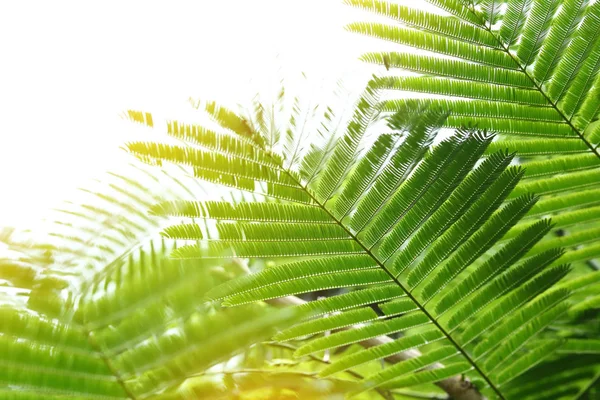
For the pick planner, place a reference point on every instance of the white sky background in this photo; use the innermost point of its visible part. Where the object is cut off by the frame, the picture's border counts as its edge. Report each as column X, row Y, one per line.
column 68, row 68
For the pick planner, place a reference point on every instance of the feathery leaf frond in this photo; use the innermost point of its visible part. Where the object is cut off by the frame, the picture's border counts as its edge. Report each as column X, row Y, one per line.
column 405, row 229
column 535, row 84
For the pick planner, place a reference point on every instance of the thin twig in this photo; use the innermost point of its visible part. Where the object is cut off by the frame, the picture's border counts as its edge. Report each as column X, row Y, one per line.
column 382, row 392
column 456, row 386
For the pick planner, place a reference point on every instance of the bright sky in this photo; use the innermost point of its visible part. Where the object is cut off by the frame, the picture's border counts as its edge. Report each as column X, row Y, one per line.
column 70, row 67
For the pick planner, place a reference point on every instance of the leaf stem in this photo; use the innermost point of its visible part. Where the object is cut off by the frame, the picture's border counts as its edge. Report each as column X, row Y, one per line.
column 94, row 344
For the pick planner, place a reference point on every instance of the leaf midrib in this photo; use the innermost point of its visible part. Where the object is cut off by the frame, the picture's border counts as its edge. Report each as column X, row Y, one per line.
column 395, row 280
column 538, row 88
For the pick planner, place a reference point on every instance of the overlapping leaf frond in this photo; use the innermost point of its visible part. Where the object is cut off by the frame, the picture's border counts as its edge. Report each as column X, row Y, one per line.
column 100, row 226
column 529, row 71
column 95, row 308
column 139, row 332
column 438, row 261
column 109, row 316
column 430, row 245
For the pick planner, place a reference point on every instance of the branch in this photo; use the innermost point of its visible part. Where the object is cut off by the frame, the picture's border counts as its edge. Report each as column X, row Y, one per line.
column 456, row 387
column 356, row 375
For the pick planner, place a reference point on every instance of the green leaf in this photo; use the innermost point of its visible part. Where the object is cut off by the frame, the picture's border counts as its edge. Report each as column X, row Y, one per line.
column 373, row 330
column 403, row 369
column 450, row 68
